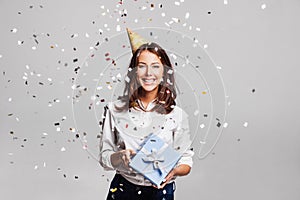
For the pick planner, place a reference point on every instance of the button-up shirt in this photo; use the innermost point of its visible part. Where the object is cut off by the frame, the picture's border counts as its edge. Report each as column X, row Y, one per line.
column 128, row 130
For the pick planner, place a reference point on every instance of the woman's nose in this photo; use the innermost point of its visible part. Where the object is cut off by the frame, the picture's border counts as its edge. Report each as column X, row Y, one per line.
column 148, row 71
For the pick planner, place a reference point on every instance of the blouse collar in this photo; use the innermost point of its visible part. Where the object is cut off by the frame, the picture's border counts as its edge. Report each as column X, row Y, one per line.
column 150, row 105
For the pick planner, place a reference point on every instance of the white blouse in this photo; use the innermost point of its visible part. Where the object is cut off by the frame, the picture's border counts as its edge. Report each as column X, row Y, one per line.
column 128, row 129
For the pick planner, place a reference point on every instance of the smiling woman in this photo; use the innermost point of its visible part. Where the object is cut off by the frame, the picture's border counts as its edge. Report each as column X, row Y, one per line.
column 146, row 107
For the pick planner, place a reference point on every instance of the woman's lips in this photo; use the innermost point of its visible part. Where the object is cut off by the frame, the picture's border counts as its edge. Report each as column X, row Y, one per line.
column 148, row 81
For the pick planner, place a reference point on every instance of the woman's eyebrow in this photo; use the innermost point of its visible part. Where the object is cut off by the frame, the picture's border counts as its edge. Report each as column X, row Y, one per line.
column 141, row 62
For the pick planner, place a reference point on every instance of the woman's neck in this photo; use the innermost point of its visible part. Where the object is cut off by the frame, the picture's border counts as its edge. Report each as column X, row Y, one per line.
column 148, row 97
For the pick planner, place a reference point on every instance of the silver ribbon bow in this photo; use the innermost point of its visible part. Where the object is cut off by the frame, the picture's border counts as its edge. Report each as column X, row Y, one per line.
column 154, row 158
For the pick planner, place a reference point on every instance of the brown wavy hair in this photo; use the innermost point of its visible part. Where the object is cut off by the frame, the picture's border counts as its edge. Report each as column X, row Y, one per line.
column 166, row 95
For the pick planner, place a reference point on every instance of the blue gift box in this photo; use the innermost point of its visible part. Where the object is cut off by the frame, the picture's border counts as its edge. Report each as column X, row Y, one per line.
column 155, row 159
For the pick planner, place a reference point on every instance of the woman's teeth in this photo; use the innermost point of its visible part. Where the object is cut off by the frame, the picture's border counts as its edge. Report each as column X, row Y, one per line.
column 148, row 80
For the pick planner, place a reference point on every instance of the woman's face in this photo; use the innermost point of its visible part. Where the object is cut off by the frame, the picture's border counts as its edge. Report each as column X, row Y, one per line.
column 149, row 71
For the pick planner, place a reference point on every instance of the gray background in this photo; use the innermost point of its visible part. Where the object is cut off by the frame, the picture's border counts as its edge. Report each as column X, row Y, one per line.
column 256, row 49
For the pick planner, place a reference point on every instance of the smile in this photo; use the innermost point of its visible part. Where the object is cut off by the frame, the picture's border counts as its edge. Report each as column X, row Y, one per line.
column 148, row 81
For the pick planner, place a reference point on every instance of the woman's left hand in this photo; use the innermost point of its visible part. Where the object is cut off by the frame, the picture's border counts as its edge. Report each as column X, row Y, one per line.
column 180, row 170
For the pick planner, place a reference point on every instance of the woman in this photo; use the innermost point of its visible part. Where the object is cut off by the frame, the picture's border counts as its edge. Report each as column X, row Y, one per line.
column 149, row 95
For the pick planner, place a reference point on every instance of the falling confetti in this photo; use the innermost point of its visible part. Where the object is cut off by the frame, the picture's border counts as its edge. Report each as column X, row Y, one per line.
column 245, row 124
column 263, row 6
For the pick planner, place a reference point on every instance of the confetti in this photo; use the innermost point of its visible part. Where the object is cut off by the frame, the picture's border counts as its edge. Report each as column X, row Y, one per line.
column 118, row 28
column 196, row 112
column 263, row 6
column 63, row 149
column 205, row 46
column 225, row 2
column 225, row 125
column 113, row 190
column 245, row 124
column 187, row 15
column 202, row 125
column 14, row 30
column 139, row 192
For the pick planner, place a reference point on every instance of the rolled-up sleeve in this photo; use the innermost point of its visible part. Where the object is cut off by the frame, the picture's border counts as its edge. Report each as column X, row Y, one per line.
column 107, row 147
column 182, row 140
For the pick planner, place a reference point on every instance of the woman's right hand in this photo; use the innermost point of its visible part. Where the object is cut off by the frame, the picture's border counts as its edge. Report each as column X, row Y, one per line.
column 121, row 159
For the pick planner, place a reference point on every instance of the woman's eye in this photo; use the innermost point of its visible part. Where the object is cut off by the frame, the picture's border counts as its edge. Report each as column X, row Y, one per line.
column 141, row 66
column 155, row 66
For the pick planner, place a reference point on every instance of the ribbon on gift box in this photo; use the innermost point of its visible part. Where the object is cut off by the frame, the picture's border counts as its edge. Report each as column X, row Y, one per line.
column 155, row 157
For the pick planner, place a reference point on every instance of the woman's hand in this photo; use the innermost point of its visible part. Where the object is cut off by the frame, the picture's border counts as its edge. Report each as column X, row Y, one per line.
column 121, row 159
column 180, row 170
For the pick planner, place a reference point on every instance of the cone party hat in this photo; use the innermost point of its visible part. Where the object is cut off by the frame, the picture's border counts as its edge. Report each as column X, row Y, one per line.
column 135, row 40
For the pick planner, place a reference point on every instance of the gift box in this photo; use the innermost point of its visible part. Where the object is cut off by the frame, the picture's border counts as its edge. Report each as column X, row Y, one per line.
column 155, row 159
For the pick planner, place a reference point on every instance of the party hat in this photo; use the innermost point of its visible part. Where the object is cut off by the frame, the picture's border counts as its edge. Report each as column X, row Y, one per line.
column 135, row 40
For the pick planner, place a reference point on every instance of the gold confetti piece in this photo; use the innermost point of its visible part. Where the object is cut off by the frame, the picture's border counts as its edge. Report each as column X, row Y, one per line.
column 113, row 190
column 204, row 92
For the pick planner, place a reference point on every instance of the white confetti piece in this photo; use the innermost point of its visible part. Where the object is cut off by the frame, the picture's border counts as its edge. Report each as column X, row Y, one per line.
column 205, row 46
column 33, row 48
column 176, row 20
column 197, row 29
column 10, row 154
column 136, row 21
column 164, row 191
column 118, row 28
column 163, row 14
column 58, row 129
column 202, row 125
column 17, row 119
column 119, row 75
column 93, row 98
column 187, row 15
column 1, row 56
column 143, row 8
column 225, row 125
column 50, row 79
column 196, row 112
column 36, row 167
column 263, row 6
column 170, row 71
column 181, row 1
column 99, row 88
column 139, row 192
column 9, row 99
column 177, row 3
column 63, row 149
column 62, row 50
column 87, row 35
column 20, row 42
column 229, row 103
column 202, row 142
column 45, row 134
column 127, row 79
column 245, row 124
column 14, row 30
column 44, row 164
column 225, row 2
column 218, row 67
